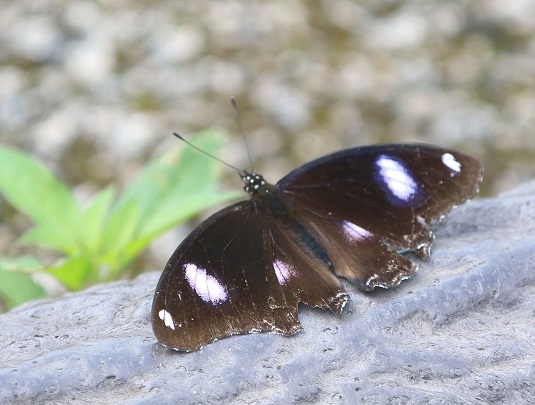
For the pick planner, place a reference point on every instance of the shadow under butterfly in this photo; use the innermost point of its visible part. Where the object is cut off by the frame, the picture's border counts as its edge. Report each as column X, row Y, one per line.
column 350, row 214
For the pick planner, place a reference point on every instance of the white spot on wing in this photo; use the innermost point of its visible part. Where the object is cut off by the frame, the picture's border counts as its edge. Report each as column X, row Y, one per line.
column 283, row 271
column 167, row 319
column 207, row 287
column 397, row 178
column 449, row 160
column 354, row 232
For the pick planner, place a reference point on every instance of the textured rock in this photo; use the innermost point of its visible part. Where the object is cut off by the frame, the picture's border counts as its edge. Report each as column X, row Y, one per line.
column 461, row 331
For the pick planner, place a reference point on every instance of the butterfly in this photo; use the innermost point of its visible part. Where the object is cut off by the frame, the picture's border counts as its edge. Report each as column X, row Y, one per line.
column 353, row 214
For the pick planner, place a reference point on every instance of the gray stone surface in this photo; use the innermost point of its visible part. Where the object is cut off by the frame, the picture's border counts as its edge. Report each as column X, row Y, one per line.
column 461, row 331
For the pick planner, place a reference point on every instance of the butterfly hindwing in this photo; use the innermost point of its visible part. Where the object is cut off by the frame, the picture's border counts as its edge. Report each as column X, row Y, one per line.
column 358, row 255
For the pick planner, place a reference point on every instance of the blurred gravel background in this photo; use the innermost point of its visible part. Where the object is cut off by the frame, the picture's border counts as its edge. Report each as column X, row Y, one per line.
column 95, row 88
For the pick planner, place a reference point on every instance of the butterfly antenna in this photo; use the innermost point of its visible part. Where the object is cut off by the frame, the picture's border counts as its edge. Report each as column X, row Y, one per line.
column 206, row 153
column 238, row 115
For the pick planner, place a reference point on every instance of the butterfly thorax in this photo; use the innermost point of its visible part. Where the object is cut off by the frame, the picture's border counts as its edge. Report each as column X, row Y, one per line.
column 252, row 182
column 265, row 193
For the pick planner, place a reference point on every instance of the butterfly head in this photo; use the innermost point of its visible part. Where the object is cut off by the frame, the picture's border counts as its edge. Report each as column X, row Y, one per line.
column 252, row 182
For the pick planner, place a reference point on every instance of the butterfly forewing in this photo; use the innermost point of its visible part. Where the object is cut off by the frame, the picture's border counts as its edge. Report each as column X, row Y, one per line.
column 216, row 283
column 391, row 191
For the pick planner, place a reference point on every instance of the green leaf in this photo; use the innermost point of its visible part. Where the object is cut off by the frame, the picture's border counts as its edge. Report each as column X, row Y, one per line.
column 16, row 282
column 17, row 288
column 75, row 272
column 119, row 230
column 178, row 185
column 171, row 189
column 22, row 263
column 100, row 240
column 33, row 190
column 92, row 221
column 51, row 236
column 173, row 211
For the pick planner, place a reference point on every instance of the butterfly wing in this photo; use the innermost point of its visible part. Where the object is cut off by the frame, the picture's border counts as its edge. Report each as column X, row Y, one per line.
column 239, row 272
column 352, row 213
column 365, row 205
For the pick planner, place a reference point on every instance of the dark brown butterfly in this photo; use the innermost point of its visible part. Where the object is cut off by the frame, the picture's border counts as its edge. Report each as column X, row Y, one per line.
column 351, row 214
